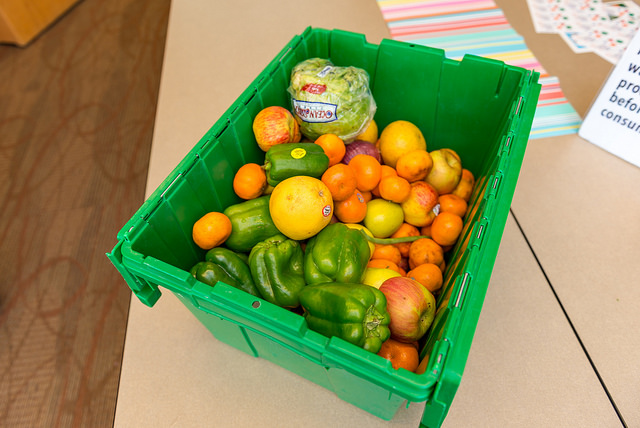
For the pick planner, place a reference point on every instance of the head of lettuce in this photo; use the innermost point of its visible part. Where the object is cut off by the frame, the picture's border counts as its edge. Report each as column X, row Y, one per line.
column 327, row 99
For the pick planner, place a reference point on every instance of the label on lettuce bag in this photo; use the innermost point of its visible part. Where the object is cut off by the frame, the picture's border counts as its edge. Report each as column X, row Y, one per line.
column 314, row 88
column 324, row 71
column 315, row 112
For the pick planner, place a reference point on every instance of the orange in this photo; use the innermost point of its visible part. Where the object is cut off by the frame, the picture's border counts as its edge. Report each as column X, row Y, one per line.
column 387, row 171
column 367, row 170
column 414, row 165
column 422, row 367
column 402, row 355
column 366, row 195
column 425, row 231
column 250, row 181
column 211, row 230
column 333, row 147
column 454, row 204
column 446, row 228
column 351, row 210
column 428, row 275
column 385, row 264
column 375, row 191
column 425, row 250
column 387, row 252
column 397, row 138
column 465, row 185
column 395, row 189
column 341, row 181
column 405, row 229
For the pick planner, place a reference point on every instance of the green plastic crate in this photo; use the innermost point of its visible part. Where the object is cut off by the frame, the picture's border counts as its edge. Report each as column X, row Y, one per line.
column 481, row 108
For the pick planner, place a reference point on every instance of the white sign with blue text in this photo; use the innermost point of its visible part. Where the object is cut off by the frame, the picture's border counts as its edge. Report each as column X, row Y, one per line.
column 613, row 121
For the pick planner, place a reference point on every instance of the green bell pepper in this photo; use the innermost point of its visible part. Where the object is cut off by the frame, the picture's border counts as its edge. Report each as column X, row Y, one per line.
column 337, row 253
column 250, row 224
column 286, row 160
column 356, row 313
column 222, row 264
column 277, row 268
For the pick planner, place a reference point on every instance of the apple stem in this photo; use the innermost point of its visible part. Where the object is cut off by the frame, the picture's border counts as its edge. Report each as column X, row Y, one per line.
column 387, row 241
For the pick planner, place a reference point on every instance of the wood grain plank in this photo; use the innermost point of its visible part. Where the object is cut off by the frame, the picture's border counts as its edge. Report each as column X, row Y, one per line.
column 76, row 119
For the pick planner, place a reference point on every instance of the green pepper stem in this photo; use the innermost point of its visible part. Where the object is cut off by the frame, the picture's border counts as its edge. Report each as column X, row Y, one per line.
column 371, row 321
column 387, row 241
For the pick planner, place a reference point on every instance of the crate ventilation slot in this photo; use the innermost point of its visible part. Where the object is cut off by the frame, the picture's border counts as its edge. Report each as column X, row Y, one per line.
column 463, row 287
column 496, row 182
column 169, row 186
column 480, row 230
column 253, row 94
column 284, row 54
column 507, row 143
column 438, row 361
column 224, row 128
column 196, row 159
column 519, row 105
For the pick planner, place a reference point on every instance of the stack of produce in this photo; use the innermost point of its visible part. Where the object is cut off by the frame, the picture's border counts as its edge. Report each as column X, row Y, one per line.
column 351, row 231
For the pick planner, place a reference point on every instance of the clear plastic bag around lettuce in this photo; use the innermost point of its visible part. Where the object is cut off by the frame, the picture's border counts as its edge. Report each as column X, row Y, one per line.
column 327, row 99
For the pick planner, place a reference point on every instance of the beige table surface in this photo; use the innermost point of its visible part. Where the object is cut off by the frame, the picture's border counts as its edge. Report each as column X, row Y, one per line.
column 557, row 343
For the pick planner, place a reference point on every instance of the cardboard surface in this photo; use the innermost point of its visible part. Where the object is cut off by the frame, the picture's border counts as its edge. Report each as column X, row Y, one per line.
column 525, row 362
column 578, row 207
column 576, row 203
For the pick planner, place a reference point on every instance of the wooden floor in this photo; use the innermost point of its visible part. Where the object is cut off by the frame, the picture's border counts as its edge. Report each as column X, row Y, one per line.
column 77, row 108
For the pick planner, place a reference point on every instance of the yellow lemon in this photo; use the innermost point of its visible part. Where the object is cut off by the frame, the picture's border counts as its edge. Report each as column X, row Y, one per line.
column 398, row 138
column 370, row 133
column 358, row 226
column 300, row 207
column 376, row 276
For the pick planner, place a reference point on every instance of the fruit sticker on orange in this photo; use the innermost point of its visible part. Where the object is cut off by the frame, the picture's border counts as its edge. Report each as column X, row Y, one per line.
column 298, row 153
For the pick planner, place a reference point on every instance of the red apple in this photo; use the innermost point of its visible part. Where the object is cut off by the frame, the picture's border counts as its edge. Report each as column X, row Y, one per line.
column 275, row 125
column 446, row 171
column 411, row 307
column 418, row 207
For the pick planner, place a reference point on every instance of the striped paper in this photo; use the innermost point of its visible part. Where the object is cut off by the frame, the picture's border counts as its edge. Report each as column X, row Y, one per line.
column 479, row 27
